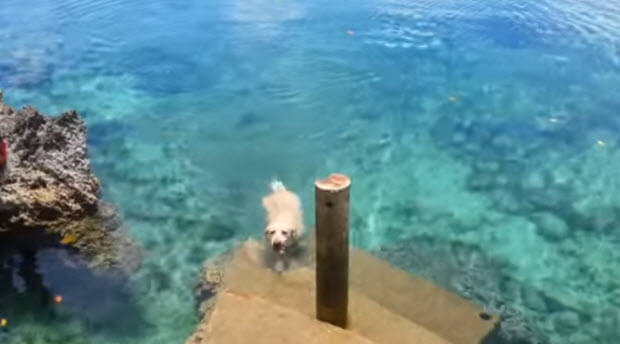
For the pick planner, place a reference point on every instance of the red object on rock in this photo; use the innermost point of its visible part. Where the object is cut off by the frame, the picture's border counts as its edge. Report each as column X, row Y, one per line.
column 4, row 153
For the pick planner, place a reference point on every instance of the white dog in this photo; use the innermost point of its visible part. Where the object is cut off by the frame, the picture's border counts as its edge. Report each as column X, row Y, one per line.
column 284, row 221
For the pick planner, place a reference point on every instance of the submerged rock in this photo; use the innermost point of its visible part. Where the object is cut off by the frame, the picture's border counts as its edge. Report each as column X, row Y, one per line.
column 550, row 226
column 210, row 281
column 47, row 185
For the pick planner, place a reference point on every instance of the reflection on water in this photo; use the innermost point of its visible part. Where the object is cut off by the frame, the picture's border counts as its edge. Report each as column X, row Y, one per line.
column 481, row 138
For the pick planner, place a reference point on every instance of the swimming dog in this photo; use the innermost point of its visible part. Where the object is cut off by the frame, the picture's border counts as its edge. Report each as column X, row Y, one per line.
column 284, row 223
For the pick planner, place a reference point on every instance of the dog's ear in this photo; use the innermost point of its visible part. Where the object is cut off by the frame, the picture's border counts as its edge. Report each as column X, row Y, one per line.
column 295, row 233
column 267, row 230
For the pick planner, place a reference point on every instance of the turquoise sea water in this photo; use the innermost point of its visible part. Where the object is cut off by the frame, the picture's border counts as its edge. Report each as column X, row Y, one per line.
column 481, row 137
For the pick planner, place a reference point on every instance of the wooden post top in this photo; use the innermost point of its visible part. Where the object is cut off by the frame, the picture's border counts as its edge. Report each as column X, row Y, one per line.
column 334, row 182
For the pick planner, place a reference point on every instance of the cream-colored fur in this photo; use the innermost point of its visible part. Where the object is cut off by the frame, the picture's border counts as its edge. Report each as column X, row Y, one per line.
column 284, row 218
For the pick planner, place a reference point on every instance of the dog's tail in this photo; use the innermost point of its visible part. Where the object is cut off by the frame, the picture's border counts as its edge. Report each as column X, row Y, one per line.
column 277, row 185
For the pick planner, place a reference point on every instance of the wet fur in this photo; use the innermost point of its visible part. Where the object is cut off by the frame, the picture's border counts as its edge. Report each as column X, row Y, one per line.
column 284, row 228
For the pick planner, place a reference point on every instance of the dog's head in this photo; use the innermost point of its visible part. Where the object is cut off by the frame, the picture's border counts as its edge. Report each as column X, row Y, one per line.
column 281, row 238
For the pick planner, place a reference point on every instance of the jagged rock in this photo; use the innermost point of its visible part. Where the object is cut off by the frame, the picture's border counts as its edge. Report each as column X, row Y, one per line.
column 48, row 178
column 48, row 185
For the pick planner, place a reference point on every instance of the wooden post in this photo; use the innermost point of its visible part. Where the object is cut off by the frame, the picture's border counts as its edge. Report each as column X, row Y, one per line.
column 332, row 249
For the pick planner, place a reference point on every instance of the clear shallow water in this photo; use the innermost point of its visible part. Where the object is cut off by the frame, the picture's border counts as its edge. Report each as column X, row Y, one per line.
column 481, row 138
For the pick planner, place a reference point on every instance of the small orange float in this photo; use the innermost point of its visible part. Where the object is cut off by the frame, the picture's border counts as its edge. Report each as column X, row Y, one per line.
column 68, row 239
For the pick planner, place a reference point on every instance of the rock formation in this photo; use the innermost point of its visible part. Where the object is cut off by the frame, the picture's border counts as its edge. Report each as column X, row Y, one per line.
column 47, row 188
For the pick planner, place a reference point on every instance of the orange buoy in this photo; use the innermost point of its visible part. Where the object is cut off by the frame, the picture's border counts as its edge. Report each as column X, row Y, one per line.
column 57, row 299
column 4, row 323
column 68, row 239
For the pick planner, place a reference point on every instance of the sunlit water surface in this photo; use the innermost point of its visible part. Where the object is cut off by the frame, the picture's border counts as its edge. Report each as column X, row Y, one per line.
column 481, row 137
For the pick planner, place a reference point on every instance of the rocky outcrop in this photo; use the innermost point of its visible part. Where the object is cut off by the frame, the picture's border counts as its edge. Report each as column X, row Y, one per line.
column 47, row 185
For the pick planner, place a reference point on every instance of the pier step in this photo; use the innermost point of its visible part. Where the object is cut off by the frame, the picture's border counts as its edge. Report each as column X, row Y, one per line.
column 386, row 305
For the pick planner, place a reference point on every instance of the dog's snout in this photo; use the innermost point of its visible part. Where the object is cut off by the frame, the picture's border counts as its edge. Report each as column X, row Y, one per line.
column 277, row 245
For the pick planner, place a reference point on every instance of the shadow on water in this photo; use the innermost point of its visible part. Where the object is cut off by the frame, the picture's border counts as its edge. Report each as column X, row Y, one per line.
column 35, row 270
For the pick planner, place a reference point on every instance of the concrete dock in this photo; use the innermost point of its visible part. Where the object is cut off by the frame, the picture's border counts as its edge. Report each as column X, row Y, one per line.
column 386, row 305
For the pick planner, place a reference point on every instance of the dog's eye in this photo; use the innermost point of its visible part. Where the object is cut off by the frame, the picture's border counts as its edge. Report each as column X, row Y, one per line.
column 272, row 232
column 285, row 233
